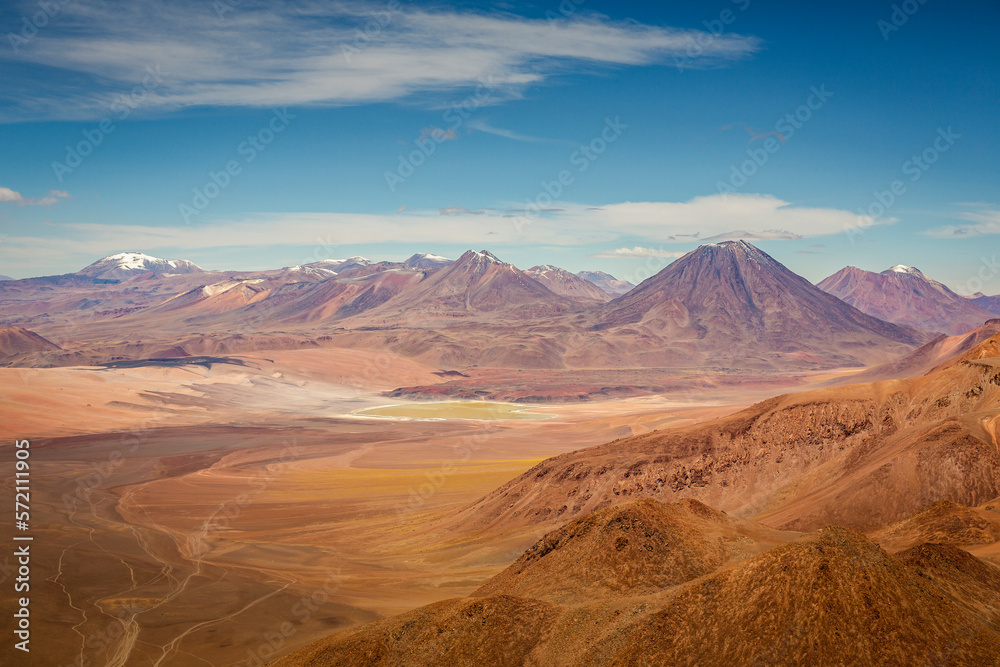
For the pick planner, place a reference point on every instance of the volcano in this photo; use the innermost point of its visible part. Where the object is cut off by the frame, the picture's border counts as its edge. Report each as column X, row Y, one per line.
column 904, row 295
column 731, row 304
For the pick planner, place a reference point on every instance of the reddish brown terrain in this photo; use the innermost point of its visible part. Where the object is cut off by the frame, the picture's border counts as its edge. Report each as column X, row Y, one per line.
column 208, row 488
column 623, row 578
column 646, row 583
column 943, row 522
column 861, row 456
column 17, row 342
column 904, row 295
column 926, row 357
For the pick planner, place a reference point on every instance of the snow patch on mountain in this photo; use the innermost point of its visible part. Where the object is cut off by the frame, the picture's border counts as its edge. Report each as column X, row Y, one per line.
column 124, row 265
column 902, row 268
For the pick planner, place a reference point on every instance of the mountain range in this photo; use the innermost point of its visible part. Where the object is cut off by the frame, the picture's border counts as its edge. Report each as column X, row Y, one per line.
column 726, row 305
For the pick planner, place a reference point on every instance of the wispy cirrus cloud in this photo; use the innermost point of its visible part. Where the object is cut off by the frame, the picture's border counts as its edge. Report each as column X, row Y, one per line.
column 9, row 196
column 983, row 222
column 309, row 53
column 706, row 218
column 482, row 126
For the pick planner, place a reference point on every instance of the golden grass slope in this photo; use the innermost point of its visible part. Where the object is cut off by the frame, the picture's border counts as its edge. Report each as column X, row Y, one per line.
column 829, row 598
column 861, row 456
column 633, row 548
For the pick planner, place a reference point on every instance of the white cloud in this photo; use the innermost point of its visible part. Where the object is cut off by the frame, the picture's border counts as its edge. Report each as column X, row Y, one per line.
column 458, row 210
column 568, row 225
column 637, row 251
column 13, row 197
column 764, row 235
column 983, row 223
column 303, row 53
column 713, row 216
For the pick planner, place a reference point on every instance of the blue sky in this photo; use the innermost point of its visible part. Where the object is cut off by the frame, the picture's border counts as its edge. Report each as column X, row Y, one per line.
column 248, row 135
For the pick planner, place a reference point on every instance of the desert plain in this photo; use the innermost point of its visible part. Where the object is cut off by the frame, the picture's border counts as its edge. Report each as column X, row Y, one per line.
column 230, row 513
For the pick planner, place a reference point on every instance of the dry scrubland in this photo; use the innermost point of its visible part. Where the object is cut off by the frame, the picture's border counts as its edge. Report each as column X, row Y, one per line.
column 207, row 488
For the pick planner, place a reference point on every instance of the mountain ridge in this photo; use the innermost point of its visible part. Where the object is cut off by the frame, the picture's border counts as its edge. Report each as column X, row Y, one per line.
column 904, row 295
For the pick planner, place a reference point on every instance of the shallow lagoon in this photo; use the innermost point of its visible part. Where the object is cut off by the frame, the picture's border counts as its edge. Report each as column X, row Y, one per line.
column 480, row 410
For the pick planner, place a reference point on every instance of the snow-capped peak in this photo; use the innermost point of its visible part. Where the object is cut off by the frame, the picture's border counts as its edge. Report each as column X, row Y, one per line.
column 544, row 270
column 123, row 265
column 751, row 251
column 481, row 257
column 356, row 259
column 595, row 275
column 902, row 268
column 131, row 259
column 488, row 256
column 426, row 260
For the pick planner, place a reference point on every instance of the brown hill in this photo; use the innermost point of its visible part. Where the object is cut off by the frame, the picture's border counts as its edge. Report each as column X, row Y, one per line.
column 212, row 298
column 16, row 340
column 971, row 583
column 632, row 548
column 942, row 522
column 335, row 298
column 831, row 598
column 926, row 357
column 904, row 295
column 278, row 301
column 862, row 456
column 730, row 304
